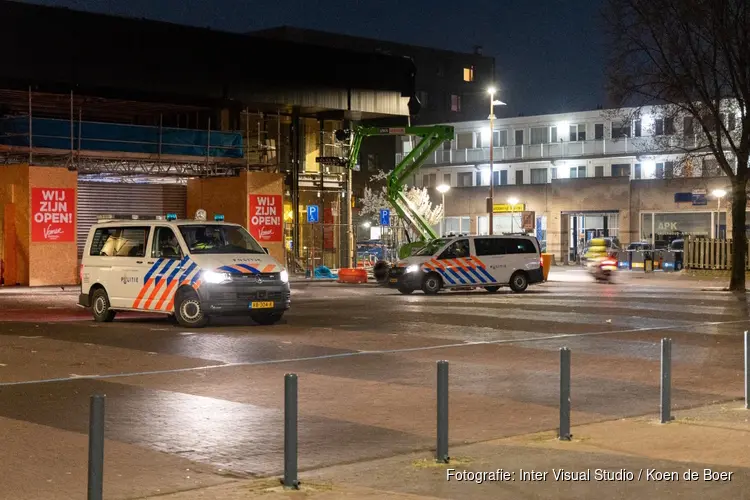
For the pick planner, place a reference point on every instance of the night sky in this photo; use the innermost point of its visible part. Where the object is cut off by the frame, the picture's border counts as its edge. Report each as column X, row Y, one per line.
column 549, row 54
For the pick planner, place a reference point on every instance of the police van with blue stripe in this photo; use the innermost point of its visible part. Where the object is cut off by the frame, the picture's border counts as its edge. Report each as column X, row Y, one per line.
column 491, row 262
column 187, row 269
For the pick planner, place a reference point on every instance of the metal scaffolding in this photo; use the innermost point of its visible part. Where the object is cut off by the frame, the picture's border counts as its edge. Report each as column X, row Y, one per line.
column 260, row 132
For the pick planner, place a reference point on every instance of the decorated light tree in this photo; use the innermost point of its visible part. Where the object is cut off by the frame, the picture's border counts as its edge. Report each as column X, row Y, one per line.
column 376, row 199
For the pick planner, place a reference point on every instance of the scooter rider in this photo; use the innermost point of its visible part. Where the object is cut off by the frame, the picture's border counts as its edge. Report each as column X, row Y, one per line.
column 596, row 255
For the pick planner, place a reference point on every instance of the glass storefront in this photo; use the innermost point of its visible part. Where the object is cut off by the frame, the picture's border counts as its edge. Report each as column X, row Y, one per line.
column 501, row 223
column 584, row 227
column 457, row 225
column 660, row 229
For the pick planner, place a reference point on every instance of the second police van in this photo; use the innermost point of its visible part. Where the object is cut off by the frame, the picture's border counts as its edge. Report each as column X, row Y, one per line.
column 188, row 269
column 471, row 261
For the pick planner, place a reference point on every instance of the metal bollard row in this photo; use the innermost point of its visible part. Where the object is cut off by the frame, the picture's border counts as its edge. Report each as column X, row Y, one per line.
column 564, row 434
column 666, row 381
column 747, row 371
column 96, row 448
column 441, row 450
column 291, row 480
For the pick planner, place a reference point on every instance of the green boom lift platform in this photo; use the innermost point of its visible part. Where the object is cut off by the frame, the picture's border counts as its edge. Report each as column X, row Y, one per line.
column 431, row 138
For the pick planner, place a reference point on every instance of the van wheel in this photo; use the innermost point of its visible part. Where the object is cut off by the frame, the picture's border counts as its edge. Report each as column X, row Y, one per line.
column 492, row 289
column 100, row 306
column 432, row 284
column 266, row 318
column 519, row 282
column 188, row 311
column 405, row 289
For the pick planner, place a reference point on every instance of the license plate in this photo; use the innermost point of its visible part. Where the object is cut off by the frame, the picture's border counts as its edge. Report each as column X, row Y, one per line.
column 261, row 305
column 394, row 280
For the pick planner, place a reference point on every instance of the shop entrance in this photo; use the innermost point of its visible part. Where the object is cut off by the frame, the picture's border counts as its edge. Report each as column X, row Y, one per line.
column 583, row 226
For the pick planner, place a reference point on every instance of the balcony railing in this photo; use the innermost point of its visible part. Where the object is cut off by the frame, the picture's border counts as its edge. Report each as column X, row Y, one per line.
column 560, row 150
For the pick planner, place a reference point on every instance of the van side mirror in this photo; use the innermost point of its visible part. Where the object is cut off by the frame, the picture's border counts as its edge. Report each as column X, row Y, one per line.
column 266, row 250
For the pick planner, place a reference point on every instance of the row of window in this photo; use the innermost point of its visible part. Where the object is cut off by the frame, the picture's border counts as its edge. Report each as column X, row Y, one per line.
column 662, row 170
column 574, row 133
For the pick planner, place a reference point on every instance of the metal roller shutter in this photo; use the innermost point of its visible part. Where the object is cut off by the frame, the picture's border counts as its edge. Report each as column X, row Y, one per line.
column 100, row 198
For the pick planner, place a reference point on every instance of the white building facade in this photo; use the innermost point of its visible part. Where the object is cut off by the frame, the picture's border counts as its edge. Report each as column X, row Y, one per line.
column 580, row 175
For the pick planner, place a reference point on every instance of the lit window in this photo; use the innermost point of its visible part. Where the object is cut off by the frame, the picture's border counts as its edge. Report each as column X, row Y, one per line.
column 469, row 74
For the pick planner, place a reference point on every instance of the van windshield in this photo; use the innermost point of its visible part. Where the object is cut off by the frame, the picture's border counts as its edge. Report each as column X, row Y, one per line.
column 219, row 239
column 433, row 246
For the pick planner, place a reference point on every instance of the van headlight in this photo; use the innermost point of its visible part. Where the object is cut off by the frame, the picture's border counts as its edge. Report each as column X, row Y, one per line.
column 412, row 268
column 284, row 276
column 215, row 278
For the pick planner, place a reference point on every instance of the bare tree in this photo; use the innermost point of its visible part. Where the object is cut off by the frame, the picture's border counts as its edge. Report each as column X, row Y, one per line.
column 690, row 59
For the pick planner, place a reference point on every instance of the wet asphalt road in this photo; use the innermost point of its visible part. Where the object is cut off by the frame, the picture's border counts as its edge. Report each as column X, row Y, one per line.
column 366, row 358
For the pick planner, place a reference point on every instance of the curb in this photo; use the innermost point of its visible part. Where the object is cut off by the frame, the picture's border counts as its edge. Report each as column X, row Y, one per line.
column 25, row 290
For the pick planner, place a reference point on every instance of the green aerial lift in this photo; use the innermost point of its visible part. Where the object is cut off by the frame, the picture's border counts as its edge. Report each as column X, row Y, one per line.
column 431, row 137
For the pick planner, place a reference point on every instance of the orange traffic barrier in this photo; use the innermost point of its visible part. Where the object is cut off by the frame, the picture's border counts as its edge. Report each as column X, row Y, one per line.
column 352, row 275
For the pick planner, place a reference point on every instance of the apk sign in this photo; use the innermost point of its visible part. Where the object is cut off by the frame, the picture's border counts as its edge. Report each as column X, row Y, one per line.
column 265, row 217
column 53, row 214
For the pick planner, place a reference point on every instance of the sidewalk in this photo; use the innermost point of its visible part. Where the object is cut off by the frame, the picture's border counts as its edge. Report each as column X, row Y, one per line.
column 23, row 290
column 642, row 459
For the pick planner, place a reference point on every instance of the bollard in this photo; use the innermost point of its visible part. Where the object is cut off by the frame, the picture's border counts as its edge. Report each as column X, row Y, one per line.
column 564, row 395
column 441, row 454
column 290, row 431
column 666, row 380
column 96, row 448
column 747, row 371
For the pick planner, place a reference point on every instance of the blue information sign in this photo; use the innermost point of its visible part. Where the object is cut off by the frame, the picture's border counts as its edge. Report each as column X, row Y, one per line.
column 312, row 213
column 385, row 217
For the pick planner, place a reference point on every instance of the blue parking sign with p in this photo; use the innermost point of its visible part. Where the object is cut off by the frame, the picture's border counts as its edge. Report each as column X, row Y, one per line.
column 385, row 217
column 312, row 213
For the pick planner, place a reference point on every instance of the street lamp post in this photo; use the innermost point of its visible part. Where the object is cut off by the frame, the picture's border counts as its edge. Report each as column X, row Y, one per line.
column 719, row 193
column 512, row 202
column 443, row 188
column 493, row 103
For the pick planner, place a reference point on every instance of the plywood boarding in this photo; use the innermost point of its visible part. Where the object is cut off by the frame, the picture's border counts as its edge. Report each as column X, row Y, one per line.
column 225, row 196
column 270, row 184
column 14, row 180
column 52, row 263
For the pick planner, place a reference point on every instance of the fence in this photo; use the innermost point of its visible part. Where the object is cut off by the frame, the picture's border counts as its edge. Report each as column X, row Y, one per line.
column 290, row 479
column 320, row 244
column 710, row 254
column 325, row 244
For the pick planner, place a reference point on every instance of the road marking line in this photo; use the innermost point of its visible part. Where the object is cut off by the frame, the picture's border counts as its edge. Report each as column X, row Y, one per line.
column 364, row 353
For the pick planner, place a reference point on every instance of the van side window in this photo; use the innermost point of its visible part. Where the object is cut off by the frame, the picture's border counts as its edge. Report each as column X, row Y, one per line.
column 489, row 246
column 120, row 242
column 165, row 245
column 518, row 245
column 458, row 250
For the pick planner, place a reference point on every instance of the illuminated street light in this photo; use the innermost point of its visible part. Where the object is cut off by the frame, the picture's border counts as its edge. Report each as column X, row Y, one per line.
column 442, row 189
column 366, row 225
column 512, row 202
column 493, row 103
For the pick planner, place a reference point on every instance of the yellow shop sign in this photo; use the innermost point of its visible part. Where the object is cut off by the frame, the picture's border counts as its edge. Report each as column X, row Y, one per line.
column 507, row 208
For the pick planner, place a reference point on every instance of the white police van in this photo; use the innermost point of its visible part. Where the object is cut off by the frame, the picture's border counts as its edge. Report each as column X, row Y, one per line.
column 471, row 261
column 188, row 269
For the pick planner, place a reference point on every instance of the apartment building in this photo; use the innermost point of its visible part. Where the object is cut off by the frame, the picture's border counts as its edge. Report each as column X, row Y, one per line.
column 575, row 176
